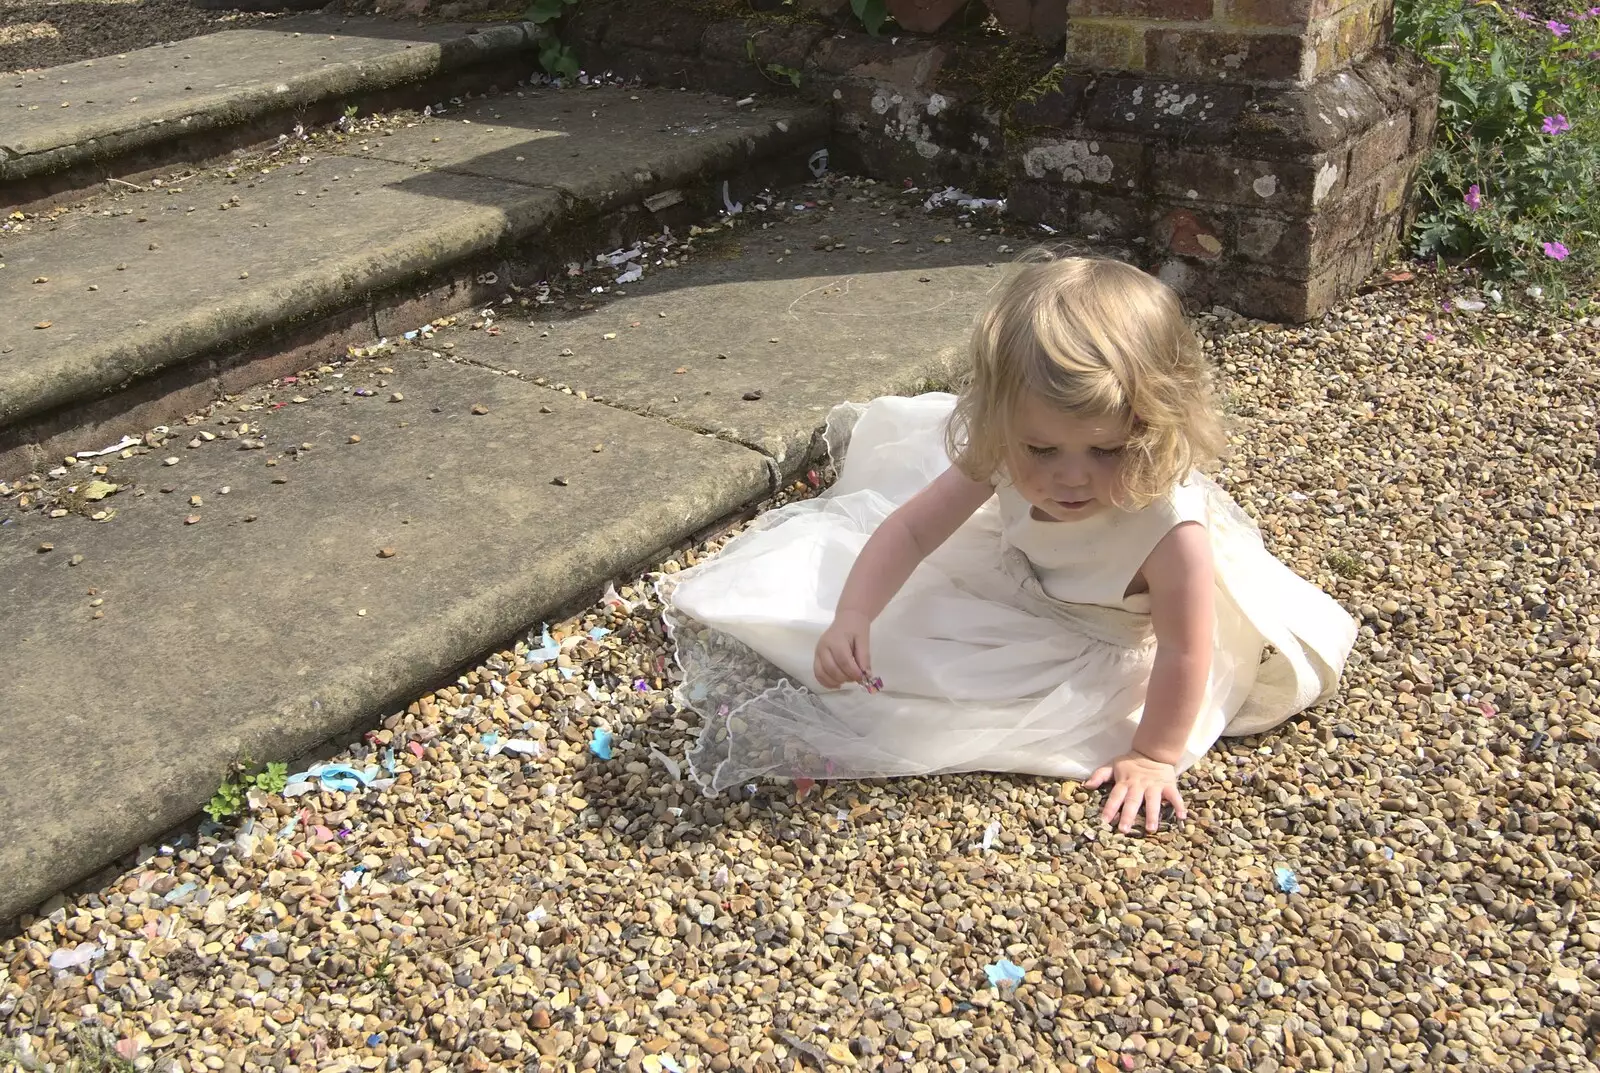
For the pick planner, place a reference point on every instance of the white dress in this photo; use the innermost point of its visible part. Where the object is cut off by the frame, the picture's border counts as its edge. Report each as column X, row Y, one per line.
column 1011, row 648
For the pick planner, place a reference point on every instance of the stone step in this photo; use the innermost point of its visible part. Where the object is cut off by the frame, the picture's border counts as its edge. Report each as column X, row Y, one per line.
column 69, row 129
column 144, row 652
column 144, row 305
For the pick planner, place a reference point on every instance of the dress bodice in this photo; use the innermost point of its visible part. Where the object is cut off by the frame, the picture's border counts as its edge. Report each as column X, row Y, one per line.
column 1094, row 560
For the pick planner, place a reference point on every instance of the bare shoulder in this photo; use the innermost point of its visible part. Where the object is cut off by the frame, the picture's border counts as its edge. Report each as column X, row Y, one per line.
column 1181, row 560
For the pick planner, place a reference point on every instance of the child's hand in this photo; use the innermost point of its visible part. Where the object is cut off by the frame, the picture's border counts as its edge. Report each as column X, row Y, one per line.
column 843, row 653
column 1139, row 781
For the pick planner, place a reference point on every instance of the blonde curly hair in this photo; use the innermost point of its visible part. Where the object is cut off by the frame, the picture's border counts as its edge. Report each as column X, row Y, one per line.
column 1094, row 338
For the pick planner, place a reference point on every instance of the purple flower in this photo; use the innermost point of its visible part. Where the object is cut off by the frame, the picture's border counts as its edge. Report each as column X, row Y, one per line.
column 1521, row 14
column 1556, row 124
column 1560, row 29
column 1556, row 251
column 1474, row 198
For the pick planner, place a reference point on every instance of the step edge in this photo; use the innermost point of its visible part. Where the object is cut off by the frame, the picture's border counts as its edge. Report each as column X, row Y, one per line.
column 241, row 106
column 86, row 374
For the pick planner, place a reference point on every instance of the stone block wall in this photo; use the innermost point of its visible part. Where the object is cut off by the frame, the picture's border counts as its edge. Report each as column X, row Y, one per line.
column 1255, row 154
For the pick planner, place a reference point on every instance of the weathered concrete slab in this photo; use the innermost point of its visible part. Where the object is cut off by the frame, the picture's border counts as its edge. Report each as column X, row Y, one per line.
column 807, row 328
column 609, row 142
column 267, row 637
column 205, row 269
column 62, row 117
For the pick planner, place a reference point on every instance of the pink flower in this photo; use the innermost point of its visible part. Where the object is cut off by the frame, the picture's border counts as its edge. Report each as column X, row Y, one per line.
column 1556, row 251
column 1556, row 124
column 1521, row 14
column 1473, row 198
column 1560, row 29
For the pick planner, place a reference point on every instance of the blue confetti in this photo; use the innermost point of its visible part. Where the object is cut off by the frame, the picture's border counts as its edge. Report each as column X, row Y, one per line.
column 374, row 1039
column 389, row 763
column 670, row 1064
column 600, row 744
column 598, row 632
column 410, row 335
column 490, row 739
column 1003, row 974
column 547, row 650
column 566, row 672
column 1286, row 880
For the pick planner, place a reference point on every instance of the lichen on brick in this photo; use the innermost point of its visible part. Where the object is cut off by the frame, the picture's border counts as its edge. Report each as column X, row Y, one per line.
column 1073, row 161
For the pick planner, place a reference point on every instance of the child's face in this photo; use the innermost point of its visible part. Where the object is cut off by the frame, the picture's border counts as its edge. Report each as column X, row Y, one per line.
column 1066, row 466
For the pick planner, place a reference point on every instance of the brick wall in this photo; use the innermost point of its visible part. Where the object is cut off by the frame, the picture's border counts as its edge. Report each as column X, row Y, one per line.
column 1260, row 41
column 1256, row 154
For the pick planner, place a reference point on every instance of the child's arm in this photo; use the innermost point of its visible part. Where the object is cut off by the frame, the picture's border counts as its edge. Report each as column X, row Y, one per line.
column 903, row 540
column 1183, row 615
column 1181, row 578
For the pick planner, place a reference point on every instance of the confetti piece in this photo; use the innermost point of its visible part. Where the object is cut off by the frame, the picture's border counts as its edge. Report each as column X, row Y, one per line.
column 1003, row 974
column 803, row 787
column 872, row 685
column 1286, row 880
column 991, row 834
column 547, row 650
column 600, row 744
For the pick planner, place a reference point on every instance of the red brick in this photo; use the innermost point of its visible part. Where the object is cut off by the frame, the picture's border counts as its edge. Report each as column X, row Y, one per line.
column 1218, row 56
column 1105, row 45
column 1193, row 10
column 1044, row 19
column 1278, row 12
column 1188, row 234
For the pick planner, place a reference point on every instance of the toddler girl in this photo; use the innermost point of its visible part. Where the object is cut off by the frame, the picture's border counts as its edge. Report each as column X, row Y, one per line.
column 1030, row 576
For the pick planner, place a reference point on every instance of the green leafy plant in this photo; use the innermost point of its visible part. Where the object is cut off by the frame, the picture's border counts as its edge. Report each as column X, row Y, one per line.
column 1507, row 188
column 557, row 59
column 232, row 796
column 872, row 13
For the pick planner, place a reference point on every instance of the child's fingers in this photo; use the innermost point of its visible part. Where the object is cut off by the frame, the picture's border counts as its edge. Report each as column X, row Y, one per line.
column 1152, row 807
column 827, row 669
column 1114, row 802
column 861, row 649
column 1179, row 809
column 1098, row 778
column 1130, row 811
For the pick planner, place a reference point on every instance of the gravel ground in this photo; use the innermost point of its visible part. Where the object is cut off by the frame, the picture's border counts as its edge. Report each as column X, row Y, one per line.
column 1404, row 878
column 47, row 33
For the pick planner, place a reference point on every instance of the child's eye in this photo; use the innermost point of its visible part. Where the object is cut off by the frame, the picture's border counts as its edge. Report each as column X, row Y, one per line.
column 1040, row 452
column 1106, row 452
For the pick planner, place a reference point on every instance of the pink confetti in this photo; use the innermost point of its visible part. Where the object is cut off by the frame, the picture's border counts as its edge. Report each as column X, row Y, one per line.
column 803, row 786
column 1487, row 708
column 321, row 833
column 416, row 749
column 872, row 685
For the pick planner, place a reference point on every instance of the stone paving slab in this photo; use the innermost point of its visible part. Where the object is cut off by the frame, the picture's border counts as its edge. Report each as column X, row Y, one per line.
column 64, row 116
column 230, row 636
column 206, row 269
column 813, row 327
